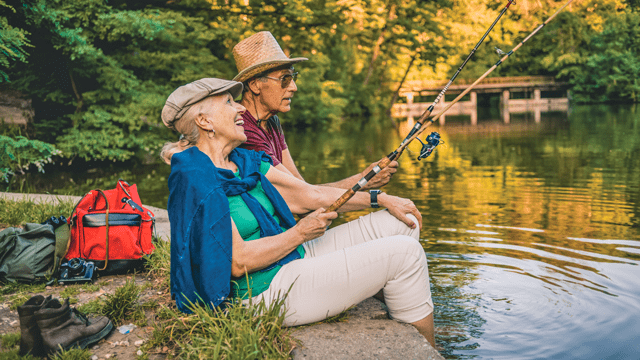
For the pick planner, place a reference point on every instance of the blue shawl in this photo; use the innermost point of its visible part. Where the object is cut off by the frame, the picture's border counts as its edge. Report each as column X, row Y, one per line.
column 201, row 221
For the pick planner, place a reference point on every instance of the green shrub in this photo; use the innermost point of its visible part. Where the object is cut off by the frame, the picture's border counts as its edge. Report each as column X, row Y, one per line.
column 17, row 155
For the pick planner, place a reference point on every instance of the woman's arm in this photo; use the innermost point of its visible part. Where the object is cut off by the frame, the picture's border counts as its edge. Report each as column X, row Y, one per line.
column 250, row 256
column 303, row 198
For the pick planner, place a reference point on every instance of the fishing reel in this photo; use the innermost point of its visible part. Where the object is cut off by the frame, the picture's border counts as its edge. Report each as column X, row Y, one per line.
column 431, row 142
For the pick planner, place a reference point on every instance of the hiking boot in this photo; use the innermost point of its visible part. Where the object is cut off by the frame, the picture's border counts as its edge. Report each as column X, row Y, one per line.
column 63, row 327
column 30, row 339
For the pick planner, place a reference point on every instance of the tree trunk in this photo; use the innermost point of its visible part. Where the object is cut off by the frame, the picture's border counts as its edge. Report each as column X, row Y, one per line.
column 397, row 93
column 78, row 95
column 376, row 48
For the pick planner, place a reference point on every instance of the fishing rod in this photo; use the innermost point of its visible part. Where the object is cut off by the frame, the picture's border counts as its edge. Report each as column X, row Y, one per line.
column 427, row 112
column 434, row 138
column 431, row 140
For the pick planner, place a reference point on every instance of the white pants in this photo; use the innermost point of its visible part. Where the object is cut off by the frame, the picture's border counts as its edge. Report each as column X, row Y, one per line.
column 353, row 262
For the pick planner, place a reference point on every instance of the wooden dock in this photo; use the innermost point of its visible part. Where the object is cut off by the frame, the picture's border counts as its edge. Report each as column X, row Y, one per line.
column 530, row 85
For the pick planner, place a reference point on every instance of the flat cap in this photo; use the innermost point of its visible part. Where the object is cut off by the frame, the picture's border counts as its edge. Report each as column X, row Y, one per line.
column 182, row 98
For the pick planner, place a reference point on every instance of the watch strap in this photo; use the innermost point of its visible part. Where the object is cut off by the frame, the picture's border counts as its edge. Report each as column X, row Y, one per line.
column 374, row 198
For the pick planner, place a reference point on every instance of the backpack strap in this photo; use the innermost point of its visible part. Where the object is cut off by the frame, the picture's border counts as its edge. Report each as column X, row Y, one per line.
column 106, row 247
column 63, row 240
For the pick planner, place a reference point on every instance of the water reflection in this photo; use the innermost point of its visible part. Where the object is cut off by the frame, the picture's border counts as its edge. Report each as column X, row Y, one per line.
column 532, row 230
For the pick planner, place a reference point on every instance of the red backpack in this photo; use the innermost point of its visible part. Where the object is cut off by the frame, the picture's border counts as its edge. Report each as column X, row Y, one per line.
column 111, row 229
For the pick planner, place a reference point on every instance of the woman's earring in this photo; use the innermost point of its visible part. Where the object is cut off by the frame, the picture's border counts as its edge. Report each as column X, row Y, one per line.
column 211, row 133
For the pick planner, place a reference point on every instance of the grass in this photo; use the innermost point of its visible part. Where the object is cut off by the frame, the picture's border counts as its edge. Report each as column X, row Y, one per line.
column 9, row 341
column 249, row 332
column 73, row 354
column 73, row 290
column 158, row 264
column 123, row 304
column 20, row 212
column 93, row 307
column 17, row 294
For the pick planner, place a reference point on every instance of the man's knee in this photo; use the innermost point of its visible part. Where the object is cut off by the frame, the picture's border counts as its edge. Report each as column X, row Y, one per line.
column 409, row 244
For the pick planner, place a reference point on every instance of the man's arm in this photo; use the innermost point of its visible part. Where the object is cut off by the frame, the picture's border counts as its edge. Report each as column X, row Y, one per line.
column 288, row 166
column 380, row 180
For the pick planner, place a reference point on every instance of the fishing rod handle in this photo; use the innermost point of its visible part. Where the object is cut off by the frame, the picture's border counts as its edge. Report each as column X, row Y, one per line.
column 383, row 163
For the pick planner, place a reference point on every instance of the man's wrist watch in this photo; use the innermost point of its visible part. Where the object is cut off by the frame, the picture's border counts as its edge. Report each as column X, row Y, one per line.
column 374, row 198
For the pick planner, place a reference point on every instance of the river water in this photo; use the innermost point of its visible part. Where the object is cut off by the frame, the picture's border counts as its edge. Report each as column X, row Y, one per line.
column 531, row 229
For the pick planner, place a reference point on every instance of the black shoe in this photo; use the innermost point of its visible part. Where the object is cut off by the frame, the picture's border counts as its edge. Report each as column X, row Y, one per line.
column 30, row 338
column 63, row 327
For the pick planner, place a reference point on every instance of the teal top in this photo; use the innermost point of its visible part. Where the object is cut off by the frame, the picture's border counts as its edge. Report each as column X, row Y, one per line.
column 248, row 228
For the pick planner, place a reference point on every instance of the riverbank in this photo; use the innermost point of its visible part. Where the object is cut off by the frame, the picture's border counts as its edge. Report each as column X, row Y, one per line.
column 366, row 333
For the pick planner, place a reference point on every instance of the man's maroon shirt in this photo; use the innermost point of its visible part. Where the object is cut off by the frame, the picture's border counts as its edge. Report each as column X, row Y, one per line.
column 270, row 141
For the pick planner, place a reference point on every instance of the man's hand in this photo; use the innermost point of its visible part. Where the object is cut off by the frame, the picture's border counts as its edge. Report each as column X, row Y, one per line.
column 399, row 208
column 382, row 178
column 314, row 225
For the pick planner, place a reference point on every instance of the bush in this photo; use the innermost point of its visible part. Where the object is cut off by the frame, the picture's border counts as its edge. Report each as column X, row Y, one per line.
column 17, row 155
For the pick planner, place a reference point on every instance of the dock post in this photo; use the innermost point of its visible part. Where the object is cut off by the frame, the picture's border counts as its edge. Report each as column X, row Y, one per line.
column 505, row 107
column 474, row 108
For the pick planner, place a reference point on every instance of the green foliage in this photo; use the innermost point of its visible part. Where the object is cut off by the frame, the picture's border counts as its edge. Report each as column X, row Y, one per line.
column 17, row 155
column 99, row 72
column 610, row 70
column 13, row 42
column 16, row 213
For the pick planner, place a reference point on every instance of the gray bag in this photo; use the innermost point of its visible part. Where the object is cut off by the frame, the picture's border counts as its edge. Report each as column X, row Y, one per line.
column 27, row 255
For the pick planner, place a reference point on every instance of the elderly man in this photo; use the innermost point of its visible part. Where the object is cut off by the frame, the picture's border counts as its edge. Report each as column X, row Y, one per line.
column 269, row 84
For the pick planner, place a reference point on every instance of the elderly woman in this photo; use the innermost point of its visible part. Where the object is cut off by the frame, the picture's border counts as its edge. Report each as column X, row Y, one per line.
column 233, row 234
column 269, row 86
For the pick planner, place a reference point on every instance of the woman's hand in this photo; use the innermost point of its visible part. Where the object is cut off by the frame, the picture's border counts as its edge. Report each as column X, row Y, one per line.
column 314, row 224
column 400, row 207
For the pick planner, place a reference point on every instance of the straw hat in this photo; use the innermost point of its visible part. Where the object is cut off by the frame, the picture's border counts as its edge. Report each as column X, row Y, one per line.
column 259, row 53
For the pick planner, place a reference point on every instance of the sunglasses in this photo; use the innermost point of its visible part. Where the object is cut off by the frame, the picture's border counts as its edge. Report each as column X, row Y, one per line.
column 285, row 80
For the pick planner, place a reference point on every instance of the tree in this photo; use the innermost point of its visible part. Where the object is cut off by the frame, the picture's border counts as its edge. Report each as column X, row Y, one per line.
column 99, row 74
